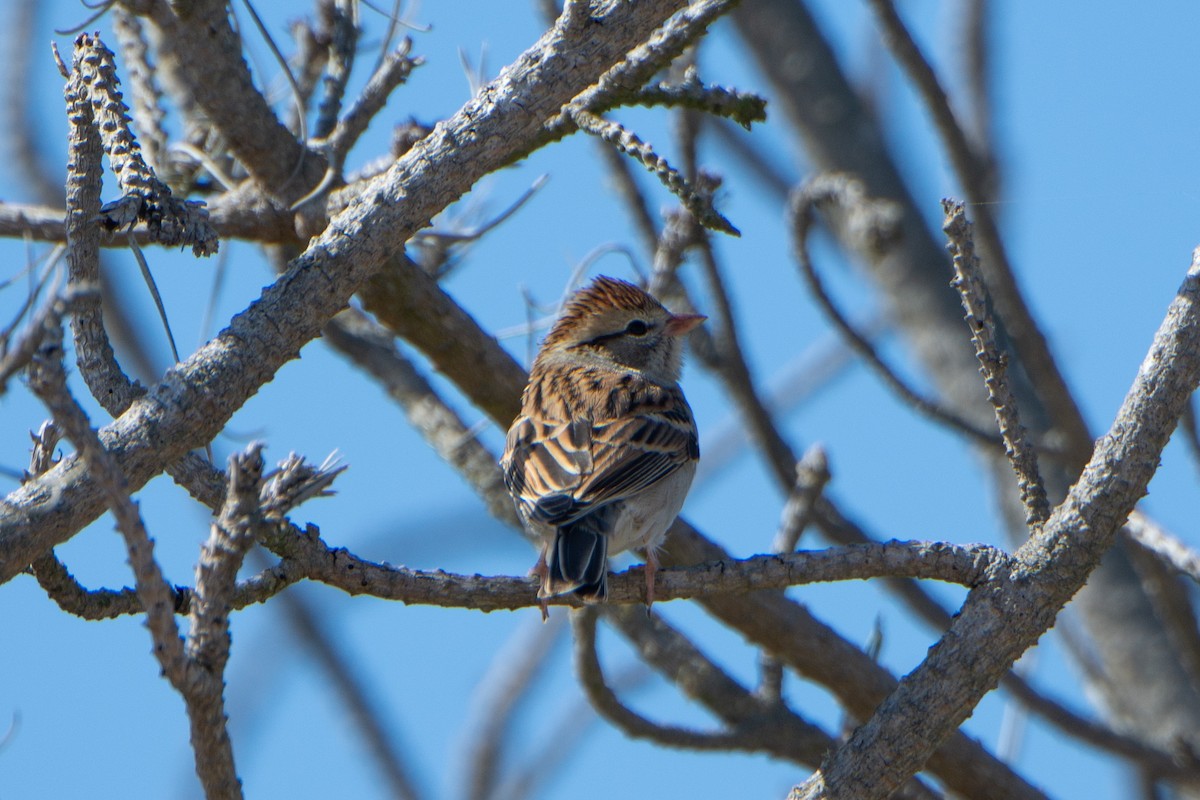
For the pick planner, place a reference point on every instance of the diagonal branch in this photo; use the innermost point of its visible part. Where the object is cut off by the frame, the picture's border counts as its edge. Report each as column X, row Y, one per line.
column 502, row 124
column 1005, row 616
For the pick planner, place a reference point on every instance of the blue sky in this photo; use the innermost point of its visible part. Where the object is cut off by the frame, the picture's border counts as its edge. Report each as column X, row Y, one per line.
column 1096, row 117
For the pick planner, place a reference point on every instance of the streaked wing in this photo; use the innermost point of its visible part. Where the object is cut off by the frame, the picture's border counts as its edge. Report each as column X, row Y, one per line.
column 625, row 436
column 543, row 461
column 631, row 454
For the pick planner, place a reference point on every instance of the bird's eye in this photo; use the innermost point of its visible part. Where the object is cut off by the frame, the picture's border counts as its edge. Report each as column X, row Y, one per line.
column 637, row 328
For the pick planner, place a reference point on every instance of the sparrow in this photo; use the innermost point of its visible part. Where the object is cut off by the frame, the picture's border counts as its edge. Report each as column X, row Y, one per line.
column 604, row 450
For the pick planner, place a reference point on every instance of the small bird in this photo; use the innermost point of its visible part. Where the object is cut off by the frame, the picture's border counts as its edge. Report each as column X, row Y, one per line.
column 605, row 447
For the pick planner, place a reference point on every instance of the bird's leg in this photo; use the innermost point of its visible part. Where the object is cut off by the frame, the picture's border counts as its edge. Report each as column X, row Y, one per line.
column 540, row 570
column 651, row 569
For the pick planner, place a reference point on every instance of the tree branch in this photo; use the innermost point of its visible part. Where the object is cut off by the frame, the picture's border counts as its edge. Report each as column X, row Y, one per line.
column 198, row 396
column 1005, row 616
column 993, row 364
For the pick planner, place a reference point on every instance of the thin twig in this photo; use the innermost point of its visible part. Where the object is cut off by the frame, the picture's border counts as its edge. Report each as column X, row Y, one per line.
column 627, row 142
column 741, row 107
column 626, row 78
column 992, row 363
column 148, row 112
column 287, row 73
column 812, row 474
column 393, row 71
column 18, row 355
column 309, row 59
column 152, row 287
column 343, row 46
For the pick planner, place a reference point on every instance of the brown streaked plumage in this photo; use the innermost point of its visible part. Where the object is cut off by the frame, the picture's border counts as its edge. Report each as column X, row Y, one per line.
column 604, row 450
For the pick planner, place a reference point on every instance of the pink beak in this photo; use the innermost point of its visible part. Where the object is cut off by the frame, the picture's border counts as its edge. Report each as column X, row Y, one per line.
column 679, row 324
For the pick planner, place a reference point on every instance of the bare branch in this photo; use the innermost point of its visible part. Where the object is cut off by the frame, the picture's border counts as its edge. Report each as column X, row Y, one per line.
column 1003, row 617
column 632, row 724
column 343, row 45
column 100, row 604
column 1170, row 549
column 93, row 352
column 18, row 355
column 813, row 650
column 201, row 393
column 696, row 201
column 170, row 221
column 307, row 553
column 393, row 71
column 48, row 381
column 239, row 214
column 812, row 474
column 977, row 67
column 992, row 363
column 97, row 363
column 233, row 533
column 741, row 107
column 210, row 79
column 626, row 78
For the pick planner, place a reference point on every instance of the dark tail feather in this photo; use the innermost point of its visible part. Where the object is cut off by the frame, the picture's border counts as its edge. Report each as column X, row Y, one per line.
column 578, row 561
